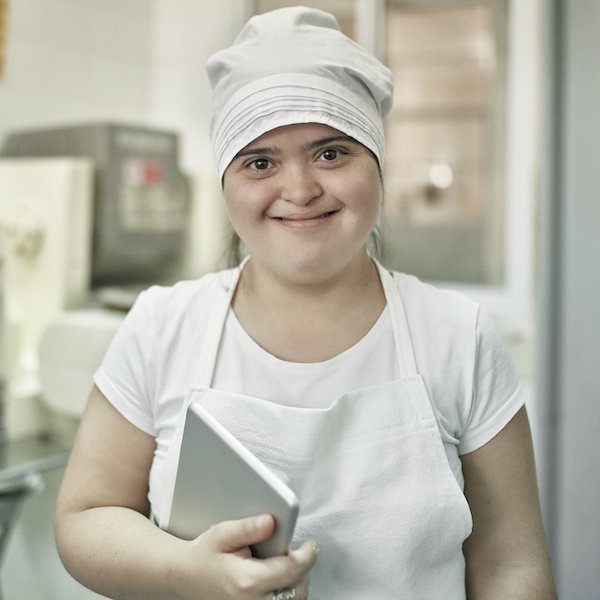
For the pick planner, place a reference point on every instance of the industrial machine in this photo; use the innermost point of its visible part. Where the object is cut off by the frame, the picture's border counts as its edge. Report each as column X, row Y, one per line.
column 140, row 198
column 84, row 210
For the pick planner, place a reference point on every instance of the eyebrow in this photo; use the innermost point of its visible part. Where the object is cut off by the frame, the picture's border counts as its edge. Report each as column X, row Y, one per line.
column 269, row 150
column 328, row 140
column 273, row 150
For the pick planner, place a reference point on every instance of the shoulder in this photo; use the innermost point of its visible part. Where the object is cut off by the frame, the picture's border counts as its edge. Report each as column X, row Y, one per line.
column 435, row 314
column 169, row 306
column 466, row 367
column 443, row 327
column 184, row 292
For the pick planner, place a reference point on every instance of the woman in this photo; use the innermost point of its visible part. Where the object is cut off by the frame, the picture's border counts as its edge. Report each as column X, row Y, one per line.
column 390, row 407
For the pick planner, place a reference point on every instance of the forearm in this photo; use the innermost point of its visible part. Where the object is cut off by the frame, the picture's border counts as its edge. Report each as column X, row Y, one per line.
column 119, row 553
column 493, row 580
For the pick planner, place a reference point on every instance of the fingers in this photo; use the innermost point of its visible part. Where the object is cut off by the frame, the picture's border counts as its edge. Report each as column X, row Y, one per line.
column 233, row 536
column 306, row 555
column 287, row 571
column 244, row 576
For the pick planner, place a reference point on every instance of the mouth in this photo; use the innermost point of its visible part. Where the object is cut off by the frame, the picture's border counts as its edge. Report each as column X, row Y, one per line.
column 298, row 219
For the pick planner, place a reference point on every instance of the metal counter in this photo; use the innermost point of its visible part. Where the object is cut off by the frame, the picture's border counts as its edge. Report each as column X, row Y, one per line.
column 36, row 454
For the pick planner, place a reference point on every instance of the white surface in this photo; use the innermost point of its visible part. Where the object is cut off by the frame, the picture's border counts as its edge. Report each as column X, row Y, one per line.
column 75, row 61
column 71, row 350
column 45, row 221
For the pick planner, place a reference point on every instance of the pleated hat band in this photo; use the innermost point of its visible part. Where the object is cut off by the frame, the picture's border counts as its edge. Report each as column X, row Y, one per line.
column 292, row 66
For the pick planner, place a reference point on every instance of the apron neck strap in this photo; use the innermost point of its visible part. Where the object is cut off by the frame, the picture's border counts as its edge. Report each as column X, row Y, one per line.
column 404, row 347
column 212, row 340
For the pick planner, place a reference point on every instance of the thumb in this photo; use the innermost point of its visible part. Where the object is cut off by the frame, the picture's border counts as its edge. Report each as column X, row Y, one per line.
column 231, row 536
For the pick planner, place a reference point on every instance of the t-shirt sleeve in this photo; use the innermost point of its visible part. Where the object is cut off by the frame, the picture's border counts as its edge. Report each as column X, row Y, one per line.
column 497, row 393
column 125, row 374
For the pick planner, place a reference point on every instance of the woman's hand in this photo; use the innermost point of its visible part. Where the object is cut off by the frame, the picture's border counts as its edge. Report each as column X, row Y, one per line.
column 220, row 565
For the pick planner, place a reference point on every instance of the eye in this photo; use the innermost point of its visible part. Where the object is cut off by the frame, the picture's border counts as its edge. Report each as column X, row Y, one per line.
column 259, row 164
column 330, row 154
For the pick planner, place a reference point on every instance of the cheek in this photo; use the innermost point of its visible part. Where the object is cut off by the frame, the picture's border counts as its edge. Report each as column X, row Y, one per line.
column 245, row 207
column 237, row 198
column 365, row 195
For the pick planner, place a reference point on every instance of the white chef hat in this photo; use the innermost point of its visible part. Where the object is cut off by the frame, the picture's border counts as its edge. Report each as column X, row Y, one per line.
column 291, row 66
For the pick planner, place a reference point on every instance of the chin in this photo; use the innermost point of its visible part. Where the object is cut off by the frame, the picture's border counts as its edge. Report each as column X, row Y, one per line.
column 311, row 269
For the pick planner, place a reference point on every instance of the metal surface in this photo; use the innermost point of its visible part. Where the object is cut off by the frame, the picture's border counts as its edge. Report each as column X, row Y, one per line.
column 35, row 454
column 22, row 463
column 141, row 199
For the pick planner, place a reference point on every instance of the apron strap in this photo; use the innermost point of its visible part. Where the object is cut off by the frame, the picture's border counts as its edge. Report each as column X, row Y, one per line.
column 404, row 347
column 220, row 308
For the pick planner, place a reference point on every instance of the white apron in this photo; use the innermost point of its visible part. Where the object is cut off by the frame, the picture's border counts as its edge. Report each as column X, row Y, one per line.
column 375, row 488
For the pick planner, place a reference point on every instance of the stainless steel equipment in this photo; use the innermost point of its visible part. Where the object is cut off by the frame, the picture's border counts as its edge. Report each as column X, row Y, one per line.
column 141, row 200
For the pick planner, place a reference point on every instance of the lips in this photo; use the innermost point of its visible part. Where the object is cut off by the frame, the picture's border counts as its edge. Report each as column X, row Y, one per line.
column 298, row 218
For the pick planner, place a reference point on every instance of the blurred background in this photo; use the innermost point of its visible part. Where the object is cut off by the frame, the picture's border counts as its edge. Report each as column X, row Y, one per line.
column 107, row 185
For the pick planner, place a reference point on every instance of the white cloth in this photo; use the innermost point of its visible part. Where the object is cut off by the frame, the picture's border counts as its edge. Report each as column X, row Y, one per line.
column 291, row 66
column 465, row 365
column 374, row 484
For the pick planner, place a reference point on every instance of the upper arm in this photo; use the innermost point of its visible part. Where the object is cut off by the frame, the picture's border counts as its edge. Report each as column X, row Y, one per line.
column 501, row 488
column 109, row 463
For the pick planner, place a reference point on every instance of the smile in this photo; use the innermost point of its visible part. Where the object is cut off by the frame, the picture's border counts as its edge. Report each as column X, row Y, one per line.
column 306, row 220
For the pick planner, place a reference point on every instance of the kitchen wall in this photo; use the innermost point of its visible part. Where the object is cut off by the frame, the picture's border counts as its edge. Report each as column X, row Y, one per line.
column 130, row 60
column 184, row 33
column 75, row 61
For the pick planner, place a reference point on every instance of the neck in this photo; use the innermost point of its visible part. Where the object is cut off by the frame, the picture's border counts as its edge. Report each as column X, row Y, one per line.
column 268, row 290
column 309, row 322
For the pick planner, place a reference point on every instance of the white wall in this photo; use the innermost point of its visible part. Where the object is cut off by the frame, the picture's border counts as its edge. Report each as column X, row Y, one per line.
column 73, row 61
column 141, row 61
column 184, row 34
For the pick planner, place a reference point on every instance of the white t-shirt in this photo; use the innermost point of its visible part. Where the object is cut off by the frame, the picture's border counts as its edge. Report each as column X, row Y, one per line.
column 465, row 365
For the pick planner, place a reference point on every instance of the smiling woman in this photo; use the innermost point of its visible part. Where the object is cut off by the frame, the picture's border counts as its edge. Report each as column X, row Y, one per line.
column 389, row 407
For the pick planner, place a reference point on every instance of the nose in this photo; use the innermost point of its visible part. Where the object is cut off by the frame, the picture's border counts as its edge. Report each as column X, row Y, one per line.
column 300, row 186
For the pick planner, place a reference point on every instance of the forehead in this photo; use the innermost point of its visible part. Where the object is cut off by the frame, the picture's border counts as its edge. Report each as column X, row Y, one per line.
column 294, row 134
